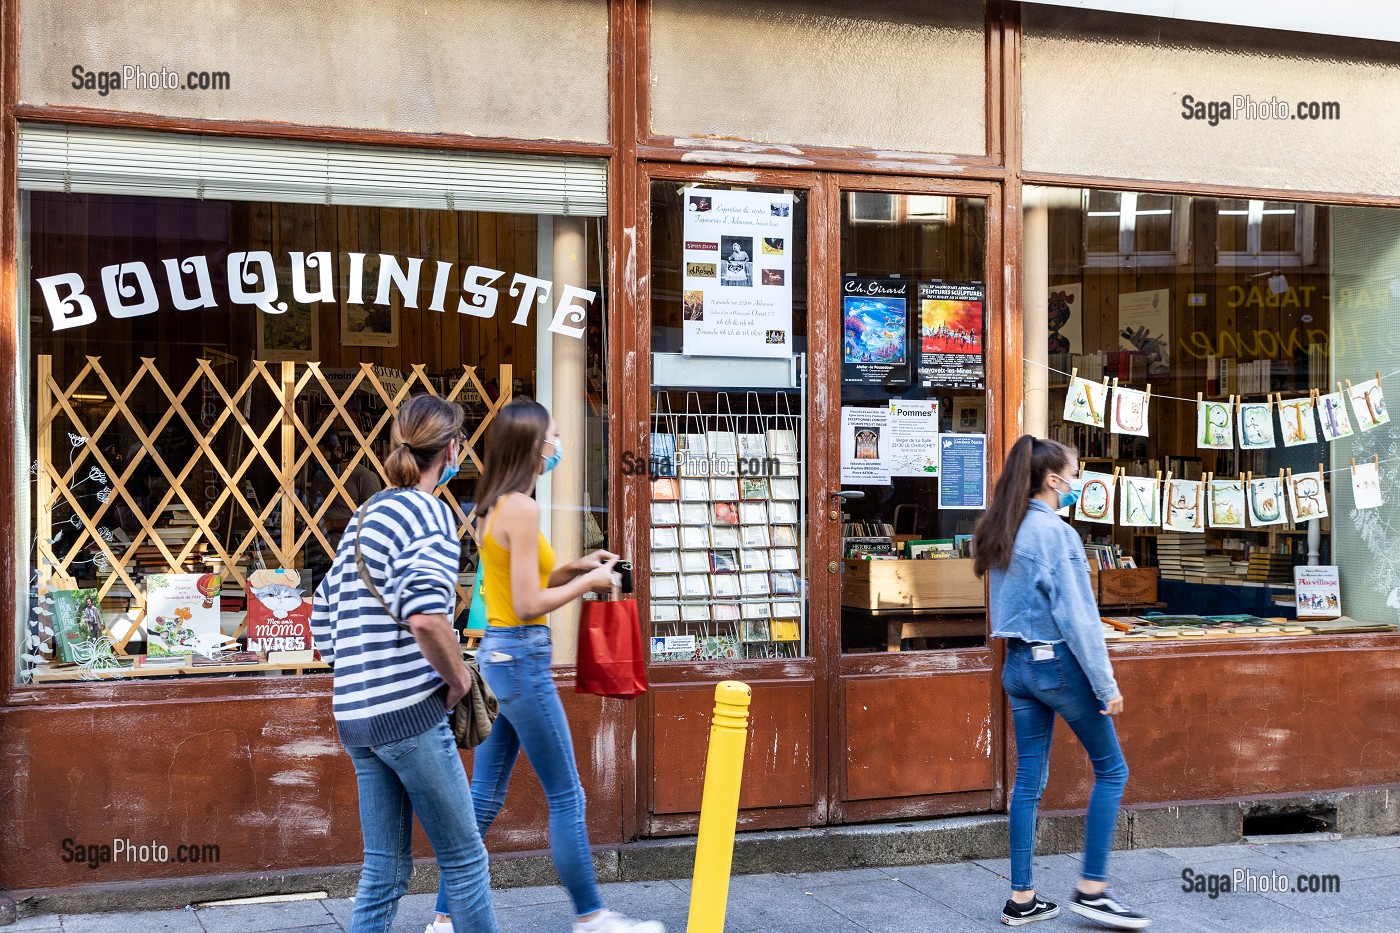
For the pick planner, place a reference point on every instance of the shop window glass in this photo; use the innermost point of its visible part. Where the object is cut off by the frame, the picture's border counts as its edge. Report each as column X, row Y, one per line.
column 729, row 427
column 1226, row 413
column 913, row 387
column 207, row 386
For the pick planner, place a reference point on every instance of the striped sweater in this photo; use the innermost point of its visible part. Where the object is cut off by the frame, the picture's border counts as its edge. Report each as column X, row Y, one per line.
column 385, row 690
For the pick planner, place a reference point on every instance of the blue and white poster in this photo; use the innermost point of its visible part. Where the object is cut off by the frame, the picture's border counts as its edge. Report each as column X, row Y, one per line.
column 962, row 471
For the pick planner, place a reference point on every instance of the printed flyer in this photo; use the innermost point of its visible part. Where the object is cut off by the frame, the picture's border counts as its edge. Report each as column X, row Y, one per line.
column 737, row 281
column 962, row 460
column 913, row 447
column 875, row 343
column 865, row 437
column 951, row 320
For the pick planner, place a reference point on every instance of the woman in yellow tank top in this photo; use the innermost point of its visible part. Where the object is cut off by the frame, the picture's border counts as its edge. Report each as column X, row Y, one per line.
column 521, row 585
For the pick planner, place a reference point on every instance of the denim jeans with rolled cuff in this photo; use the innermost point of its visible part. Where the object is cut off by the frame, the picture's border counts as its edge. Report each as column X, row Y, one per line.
column 515, row 661
column 1037, row 690
column 421, row 775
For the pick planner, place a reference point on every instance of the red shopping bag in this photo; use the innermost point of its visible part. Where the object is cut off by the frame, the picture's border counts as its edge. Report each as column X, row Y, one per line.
column 610, row 659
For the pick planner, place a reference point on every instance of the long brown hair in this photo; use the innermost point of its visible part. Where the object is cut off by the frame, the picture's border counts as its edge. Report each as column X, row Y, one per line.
column 513, row 448
column 1031, row 460
column 422, row 428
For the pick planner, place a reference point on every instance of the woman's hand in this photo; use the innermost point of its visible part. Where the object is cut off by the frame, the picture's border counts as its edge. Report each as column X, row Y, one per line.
column 1114, row 706
column 602, row 578
column 593, row 561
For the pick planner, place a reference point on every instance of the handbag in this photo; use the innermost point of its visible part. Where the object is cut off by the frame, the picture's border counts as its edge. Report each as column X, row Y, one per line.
column 475, row 712
column 610, row 660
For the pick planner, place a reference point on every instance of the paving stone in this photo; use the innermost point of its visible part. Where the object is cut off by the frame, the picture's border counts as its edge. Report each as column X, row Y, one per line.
column 1140, row 865
column 255, row 918
column 889, row 906
column 820, row 879
column 1366, row 895
column 507, row 898
column 43, row 922
column 147, row 921
column 765, row 903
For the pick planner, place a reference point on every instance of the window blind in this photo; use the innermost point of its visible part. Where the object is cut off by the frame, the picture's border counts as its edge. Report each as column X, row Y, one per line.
column 176, row 165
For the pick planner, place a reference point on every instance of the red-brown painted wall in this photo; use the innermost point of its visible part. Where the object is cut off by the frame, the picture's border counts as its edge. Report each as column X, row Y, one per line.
column 263, row 777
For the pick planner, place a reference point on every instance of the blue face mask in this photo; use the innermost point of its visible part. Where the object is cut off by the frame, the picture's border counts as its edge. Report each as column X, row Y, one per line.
column 448, row 471
column 553, row 459
column 1076, row 489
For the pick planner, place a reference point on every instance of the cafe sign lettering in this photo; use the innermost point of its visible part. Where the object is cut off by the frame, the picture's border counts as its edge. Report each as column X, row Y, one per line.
column 129, row 289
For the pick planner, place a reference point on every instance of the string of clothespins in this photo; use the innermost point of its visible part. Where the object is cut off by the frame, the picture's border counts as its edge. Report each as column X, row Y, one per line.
column 1074, row 374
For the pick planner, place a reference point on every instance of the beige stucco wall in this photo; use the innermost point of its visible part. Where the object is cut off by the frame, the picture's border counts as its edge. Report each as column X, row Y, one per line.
column 1102, row 96
column 509, row 68
column 902, row 75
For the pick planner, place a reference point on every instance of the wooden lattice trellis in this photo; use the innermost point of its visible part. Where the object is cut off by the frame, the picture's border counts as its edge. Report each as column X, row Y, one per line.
column 278, row 442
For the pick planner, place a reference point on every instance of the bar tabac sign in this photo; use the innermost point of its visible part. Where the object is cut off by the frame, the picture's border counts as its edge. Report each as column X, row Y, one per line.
column 129, row 289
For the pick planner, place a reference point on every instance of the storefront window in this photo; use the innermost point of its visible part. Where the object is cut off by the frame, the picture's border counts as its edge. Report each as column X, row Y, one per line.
column 729, row 432
column 209, row 381
column 914, row 419
column 1228, row 408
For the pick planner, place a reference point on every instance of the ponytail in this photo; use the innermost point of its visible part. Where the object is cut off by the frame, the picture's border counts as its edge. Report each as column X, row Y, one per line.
column 422, row 428
column 1030, row 461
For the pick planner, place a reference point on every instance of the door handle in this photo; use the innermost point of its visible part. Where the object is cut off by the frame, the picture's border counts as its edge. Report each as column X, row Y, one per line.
column 848, row 494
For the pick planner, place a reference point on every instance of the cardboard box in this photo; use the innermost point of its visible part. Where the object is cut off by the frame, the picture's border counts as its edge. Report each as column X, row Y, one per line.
column 912, row 584
column 1124, row 587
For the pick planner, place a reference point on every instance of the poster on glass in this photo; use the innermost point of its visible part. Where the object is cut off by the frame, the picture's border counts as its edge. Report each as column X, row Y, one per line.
column 951, row 325
column 875, row 332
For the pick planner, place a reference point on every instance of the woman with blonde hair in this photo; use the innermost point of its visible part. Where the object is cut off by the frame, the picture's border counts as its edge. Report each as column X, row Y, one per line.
column 382, row 619
column 521, row 585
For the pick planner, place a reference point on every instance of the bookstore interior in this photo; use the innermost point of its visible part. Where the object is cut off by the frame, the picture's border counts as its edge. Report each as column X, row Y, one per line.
column 1220, row 365
column 212, row 363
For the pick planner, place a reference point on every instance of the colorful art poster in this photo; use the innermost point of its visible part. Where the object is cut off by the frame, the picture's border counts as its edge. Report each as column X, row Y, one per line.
column 1256, row 425
column 1129, row 411
column 1096, row 497
column 1086, row 402
column 1066, row 312
column 1139, row 502
column 77, row 619
column 1366, row 485
column 180, row 607
column 1215, row 425
column 962, row 465
column 1225, row 498
column 1183, row 508
column 865, row 438
column 1368, row 401
column 1332, row 412
column 1318, row 591
column 913, row 447
column 1266, row 505
column 1145, row 325
column 875, row 341
column 951, row 328
column 1298, row 419
column 1307, row 496
column 737, row 283
column 279, row 614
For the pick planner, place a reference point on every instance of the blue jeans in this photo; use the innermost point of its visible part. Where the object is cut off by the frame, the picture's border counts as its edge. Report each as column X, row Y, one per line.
column 1037, row 691
column 515, row 662
column 421, row 774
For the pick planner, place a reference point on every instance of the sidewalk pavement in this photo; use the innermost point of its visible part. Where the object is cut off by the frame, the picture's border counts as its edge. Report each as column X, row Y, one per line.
column 954, row 898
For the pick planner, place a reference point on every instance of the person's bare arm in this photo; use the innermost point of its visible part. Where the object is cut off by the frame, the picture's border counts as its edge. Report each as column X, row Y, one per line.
column 517, row 527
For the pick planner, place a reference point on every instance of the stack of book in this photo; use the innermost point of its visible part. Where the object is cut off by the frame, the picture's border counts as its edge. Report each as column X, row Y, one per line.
column 1209, row 568
column 1175, row 549
column 1270, row 568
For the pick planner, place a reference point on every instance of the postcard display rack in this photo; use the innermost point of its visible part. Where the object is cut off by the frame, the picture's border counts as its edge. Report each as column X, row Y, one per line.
column 728, row 525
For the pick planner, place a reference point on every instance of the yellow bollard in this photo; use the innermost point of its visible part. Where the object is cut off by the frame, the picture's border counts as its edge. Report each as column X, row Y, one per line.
column 719, row 808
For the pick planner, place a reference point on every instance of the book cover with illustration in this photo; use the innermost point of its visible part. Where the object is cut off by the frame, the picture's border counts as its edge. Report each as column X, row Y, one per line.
column 180, row 607
column 279, row 614
column 77, row 618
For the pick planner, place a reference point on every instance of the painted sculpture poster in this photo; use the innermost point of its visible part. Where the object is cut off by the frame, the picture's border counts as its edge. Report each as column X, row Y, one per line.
column 951, row 332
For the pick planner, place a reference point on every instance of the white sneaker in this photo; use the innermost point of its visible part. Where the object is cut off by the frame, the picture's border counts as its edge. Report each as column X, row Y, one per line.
column 439, row 926
column 610, row 921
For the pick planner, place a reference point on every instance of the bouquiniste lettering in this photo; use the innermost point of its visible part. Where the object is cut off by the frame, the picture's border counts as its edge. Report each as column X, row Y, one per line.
column 129, row 289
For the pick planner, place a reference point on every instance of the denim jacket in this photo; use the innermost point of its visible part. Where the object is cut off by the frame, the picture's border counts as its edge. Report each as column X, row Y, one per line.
column 1044, row 595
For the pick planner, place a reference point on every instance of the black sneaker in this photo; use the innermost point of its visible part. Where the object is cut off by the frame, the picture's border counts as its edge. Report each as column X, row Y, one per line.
column 1106, row 909
column 1014, row 914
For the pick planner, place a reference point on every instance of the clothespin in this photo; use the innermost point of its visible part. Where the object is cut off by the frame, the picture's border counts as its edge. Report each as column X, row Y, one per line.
column 1339, row 387
column 1149, row 392
column 1313, row 394
column 1353, row 465
column 1200, row 399
column 1378, row 377
column 1349, row 386
column 1074, row 373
